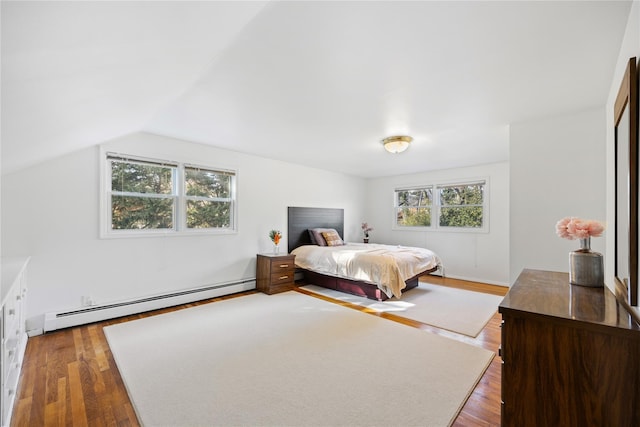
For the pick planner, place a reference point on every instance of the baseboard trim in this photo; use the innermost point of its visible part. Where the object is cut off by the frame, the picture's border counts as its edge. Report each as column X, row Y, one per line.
column 474, row 279
column 96, row 313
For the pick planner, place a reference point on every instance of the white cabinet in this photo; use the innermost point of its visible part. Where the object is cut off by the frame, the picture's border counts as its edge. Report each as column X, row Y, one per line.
column 12, row 330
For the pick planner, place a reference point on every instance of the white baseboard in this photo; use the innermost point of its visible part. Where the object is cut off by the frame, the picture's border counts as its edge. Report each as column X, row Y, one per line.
column 476, row 279
column 97, row 313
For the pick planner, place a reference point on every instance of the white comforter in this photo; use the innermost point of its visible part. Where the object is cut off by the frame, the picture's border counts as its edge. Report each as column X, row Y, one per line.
column 386, row 266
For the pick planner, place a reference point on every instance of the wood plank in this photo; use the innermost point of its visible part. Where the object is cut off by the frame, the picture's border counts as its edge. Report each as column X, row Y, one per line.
column 62, row 402
column 98, row 347
column 22, row 409
column 78, row 412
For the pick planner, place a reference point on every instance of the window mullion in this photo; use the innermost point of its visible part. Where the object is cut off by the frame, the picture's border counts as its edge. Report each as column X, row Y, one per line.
column 181, row 204
column 142, row 195
column 211, row 199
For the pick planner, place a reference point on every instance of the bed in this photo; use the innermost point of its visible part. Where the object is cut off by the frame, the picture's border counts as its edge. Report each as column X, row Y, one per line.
column 370, row 270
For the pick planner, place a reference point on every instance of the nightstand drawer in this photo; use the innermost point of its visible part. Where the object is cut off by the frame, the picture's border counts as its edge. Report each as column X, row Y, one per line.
column 277, row 288
column 282, row 265
column 285, row 276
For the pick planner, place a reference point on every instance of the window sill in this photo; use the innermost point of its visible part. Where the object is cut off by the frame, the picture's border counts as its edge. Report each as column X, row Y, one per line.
column 154, row 233
column 484, row 230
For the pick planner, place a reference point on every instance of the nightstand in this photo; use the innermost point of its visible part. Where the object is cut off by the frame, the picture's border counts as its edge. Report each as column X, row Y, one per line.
column 274, row 273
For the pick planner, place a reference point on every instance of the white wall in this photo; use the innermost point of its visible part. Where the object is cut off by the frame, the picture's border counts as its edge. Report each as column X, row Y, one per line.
column 51, row 212
column 482, row 257
column 630, row 48
column 556, row 170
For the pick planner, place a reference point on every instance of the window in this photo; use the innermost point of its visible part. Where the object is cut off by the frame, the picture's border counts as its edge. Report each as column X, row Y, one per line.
column 146, row 196
column 413, row 207
column 461, row 206
column 143, row 195
column 208, row 198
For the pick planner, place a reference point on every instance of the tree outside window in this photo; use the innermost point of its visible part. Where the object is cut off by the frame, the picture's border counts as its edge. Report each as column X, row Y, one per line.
column 413, row 207
column 142, row 196
column 461, row 205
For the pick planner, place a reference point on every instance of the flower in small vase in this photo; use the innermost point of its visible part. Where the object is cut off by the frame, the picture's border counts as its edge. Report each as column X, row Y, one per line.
column 575, row 228
column 366, row 229
column 275, row 236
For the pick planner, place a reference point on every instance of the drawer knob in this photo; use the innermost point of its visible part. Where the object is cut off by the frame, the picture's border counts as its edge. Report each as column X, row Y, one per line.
column 284, row 277
column 284, row 265
column 12, row 311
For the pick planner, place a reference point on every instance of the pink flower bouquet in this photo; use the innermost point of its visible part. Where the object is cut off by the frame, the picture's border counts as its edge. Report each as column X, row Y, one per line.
column 575, row 228
column 366, row 229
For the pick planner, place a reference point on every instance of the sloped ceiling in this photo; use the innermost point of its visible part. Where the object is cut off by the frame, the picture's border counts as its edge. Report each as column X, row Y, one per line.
column 315, row 83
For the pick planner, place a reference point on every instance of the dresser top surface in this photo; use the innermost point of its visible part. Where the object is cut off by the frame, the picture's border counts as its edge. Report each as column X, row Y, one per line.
column 549, row 293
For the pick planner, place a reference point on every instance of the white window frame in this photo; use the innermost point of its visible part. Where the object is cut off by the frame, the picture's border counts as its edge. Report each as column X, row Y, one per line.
column 179, row 194
column 436, row 207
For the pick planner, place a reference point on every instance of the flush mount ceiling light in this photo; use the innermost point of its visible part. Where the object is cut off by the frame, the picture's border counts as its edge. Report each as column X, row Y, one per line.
column 396, row 144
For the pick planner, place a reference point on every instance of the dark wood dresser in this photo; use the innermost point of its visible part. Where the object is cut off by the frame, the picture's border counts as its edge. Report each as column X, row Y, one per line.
column 570, row 355
column 275, row 273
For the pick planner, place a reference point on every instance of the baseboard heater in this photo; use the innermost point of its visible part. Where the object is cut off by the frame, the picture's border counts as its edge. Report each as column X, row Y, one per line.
column 97, row 313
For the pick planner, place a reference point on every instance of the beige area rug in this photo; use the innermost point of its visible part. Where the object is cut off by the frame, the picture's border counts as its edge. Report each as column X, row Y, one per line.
column 290, row 360
column 456, row 310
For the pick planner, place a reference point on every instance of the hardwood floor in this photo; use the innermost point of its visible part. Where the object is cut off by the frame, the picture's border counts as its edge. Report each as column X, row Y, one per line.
column 69, row 377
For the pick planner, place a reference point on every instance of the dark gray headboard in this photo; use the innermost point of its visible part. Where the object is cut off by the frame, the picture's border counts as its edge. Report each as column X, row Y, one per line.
column 302, row 219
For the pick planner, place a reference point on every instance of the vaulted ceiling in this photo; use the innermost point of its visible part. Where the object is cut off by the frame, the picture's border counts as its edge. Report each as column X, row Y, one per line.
column 318, row 83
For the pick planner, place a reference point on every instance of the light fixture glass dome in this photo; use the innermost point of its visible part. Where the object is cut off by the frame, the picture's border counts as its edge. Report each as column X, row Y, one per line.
column 396, row 144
